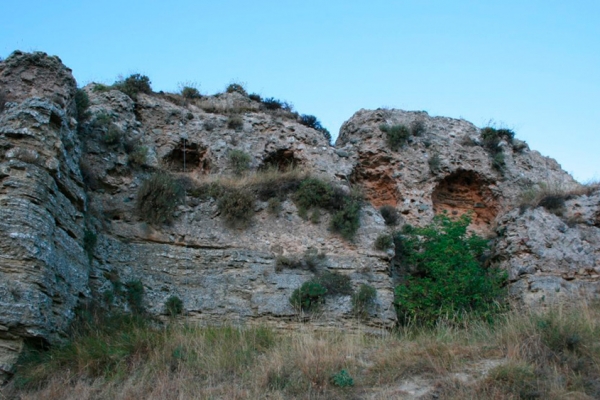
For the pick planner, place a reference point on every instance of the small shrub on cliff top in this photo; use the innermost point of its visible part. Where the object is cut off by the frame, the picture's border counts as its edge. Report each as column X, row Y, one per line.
column 447, row 278
column 189, row 92
column 236, row 88
column 158, row 197
column 312, row 122
column 397, row 135
column 133, row 85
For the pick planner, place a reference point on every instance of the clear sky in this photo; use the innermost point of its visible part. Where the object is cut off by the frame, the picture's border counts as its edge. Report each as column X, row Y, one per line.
column 530, row 65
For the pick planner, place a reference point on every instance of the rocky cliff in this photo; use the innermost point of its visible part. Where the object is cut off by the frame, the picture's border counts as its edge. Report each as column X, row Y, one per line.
column 70, row 231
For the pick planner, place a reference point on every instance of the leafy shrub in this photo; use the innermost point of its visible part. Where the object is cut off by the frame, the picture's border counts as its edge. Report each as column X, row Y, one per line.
column 491, row 138
column 314, row 192
column 236, row 207
column 272, row 104
column 134, row 294
column 236, row 88
column 342, row 379
column 239, row 161
column 335, row 283
column 138, row 156
column 363, row 300
column 189, row 92
column 312, row 122
column 397, row 135
column 133, row 85
column 347, row 220
column 554, row 203
column 311, row 260
column 158, row 197
column 383, row 242
column 417, row 127
column 498, row 162
column 390, row 214
column 235, row 122
column 308, row 296
column 82, row 103
column 434, row 163
column 89, row 243
column 447, row 278
column 274, row 206
column 174, row 305
column 255, row 97
column 113, row 135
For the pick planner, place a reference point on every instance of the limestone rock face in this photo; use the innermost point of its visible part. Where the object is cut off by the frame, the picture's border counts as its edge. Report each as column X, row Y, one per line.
column 442, row 167
column 64, row 182
column 552, row 258
column 43, row 268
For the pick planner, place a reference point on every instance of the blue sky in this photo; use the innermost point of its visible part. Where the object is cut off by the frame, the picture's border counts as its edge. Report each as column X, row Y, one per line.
column 533, row 66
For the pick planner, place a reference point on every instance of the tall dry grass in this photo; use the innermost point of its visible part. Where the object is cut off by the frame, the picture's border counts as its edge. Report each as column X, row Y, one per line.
column 523, row 355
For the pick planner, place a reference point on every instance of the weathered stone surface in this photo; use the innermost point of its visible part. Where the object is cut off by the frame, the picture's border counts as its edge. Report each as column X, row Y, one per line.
column 226, row 274
column 552, row 259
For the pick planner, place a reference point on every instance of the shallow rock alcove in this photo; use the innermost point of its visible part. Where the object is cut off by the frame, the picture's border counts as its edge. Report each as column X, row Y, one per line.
column 188, row 156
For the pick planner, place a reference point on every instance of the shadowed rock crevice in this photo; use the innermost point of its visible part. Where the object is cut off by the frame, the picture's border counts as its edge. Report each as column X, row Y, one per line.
column 281, row 160
column 188, row 156
column 466, row 192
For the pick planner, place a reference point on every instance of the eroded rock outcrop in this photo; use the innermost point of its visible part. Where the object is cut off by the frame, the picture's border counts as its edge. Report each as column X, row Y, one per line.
column 64, row 181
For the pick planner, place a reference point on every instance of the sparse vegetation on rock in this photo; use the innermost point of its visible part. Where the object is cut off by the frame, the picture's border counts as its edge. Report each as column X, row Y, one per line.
column 158, row 197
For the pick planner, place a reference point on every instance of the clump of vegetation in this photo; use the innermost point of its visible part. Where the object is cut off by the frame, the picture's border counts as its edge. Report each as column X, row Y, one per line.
column 236, row 88
column 491, row 138
column 90, row 239
column 434, row 163
column 174, row 306
column 239, row 161
column 138, row 156
column 342, row 379
column 255, row 97
column 345, row 207
column 134, row 294
column 383, row 242
column 335, row 283
column 190, row 93
column 363, row 300
column 82, row 103
column 308, row 297
column 273, row 104
column 417, row 127
column 312, row 122
column 113, row 135
column 311, row 260
column 235, row 122
column 390, row 214
column 158, row 197
column 274, row 206
column 447, row 278
column 551, row 196
column 397, row 135
column 134, row 85
column 236, row 206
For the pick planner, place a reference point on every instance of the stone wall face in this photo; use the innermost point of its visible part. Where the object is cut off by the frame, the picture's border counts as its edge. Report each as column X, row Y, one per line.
column 60, row 180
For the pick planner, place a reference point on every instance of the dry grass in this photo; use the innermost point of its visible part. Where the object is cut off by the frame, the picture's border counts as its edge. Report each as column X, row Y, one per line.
column 553, row 355
column 553, row 196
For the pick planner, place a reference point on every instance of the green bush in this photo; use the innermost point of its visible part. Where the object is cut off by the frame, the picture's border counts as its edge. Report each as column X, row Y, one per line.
column 363, row 300
column 236, row 88
column 239, row 161
column 312, row 122
column 308, row 296
column 491, row 138
column 133, row 85
column 174, row 306
column 237, row 207
column 255, row 97
column 390, row 214
column 347, row 220
column 313, row 192
column 342, row 379
column 383, row 242
column 113, row 135
column 272, row 104
column 235, row 122
column 158, row 197
column 335, row 283
column 138, row 156
column 82, row 103
column 312, row 260
column 89, row 243
column 134, row 294
column 417, row 127
column 447, row 279
column 189, row 92
column 397, row 135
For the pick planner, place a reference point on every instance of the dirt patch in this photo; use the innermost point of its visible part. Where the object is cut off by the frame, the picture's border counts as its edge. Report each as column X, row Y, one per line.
column 466, row 192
